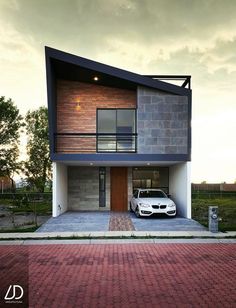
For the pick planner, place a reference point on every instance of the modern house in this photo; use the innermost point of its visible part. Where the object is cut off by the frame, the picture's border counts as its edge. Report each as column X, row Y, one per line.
column 112, row 131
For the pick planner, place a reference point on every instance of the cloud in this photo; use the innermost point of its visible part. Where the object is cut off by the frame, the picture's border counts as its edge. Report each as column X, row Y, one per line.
column 22, row 74
column 163, row 22
column 196, row 37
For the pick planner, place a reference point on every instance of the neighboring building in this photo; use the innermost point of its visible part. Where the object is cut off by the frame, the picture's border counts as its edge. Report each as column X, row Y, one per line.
column 214, row 187
column 112, row 131
column 6, row 184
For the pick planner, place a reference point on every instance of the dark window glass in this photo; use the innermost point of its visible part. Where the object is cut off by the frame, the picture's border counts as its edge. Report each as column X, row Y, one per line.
column 102, row 186
column 106, row 121
column 151, row 194
column 116, row 128
column 151, row 177
column 136, row 194
column 125, row 121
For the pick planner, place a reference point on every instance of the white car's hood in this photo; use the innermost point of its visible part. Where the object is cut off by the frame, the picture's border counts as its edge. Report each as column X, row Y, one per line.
column 155, row 201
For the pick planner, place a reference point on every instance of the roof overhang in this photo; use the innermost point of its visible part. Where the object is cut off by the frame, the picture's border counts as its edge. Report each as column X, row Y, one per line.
column 71, row 67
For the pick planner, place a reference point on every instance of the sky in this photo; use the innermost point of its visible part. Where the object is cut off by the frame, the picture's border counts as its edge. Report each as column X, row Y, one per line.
column 192, row 37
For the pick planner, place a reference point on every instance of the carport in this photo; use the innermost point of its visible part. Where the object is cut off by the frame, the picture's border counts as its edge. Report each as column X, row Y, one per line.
column 95, row 187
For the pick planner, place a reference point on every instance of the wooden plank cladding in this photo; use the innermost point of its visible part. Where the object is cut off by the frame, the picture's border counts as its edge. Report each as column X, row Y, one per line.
column 77, row 103
column 119, row 189
column 71, row 144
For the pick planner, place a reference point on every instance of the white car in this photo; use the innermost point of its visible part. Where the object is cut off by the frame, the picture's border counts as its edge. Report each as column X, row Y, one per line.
column 146, row 202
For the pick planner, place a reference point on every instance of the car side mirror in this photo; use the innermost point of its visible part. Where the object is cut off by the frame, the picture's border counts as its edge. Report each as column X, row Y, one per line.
column 169, row 196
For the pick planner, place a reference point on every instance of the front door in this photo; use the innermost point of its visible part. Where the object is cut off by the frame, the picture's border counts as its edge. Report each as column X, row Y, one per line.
column 119, row 189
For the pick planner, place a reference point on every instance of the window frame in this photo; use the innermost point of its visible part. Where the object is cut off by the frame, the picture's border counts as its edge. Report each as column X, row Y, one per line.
column 135, row 130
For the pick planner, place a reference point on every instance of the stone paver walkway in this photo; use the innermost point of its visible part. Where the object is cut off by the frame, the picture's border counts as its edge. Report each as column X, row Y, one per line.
column 120, row 222
column 133, row 275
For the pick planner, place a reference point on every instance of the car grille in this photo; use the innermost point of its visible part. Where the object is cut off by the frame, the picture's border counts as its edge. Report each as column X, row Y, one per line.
column 162, row 206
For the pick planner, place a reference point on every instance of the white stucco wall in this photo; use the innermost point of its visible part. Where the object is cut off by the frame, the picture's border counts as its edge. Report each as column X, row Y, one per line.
column 60, row 189
column 180, row 188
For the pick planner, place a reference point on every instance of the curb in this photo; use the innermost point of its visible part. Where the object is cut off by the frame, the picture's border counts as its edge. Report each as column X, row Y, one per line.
column 117, row 235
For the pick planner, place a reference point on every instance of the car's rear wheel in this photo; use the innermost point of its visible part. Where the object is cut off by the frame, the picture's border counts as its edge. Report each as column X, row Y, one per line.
column 137, row 213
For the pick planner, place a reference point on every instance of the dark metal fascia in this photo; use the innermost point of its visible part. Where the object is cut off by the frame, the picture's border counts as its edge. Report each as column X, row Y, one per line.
column 119, row 157
column 116, row 72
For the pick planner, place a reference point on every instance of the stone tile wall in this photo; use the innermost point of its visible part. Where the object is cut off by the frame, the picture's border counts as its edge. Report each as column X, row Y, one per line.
column 162, row 122
column 83, row 188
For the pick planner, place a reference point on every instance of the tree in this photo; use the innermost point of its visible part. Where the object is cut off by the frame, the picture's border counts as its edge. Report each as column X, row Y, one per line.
column 10, row 124
column 38, row 165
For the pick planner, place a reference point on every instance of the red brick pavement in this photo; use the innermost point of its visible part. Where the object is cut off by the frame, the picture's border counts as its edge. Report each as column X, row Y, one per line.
column 128, row 275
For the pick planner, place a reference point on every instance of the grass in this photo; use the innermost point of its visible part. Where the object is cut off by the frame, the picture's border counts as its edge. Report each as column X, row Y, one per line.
column 19, row 229
column 42, row 208
column 18, row 207
column 226, row 212
column 5, row 202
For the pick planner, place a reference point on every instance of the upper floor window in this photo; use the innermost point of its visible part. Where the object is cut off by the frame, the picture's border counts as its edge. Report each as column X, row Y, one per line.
column 116, row 130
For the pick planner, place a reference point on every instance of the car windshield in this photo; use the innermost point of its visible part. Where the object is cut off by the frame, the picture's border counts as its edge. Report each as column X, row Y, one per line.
column 151, row 194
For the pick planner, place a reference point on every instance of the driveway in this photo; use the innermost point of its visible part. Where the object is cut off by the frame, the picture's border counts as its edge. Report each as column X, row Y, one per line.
column 121, row 275
column 113, row 221
column 166, row 224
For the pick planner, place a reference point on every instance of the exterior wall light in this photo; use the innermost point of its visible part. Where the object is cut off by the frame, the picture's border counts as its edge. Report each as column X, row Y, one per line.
column 78, row 107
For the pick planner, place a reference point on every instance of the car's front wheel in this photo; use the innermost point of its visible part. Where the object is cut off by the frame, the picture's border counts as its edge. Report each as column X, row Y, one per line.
column 137, row 213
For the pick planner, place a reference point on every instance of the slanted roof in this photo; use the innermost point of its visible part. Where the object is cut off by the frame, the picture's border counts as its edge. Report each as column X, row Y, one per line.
column 68, row 66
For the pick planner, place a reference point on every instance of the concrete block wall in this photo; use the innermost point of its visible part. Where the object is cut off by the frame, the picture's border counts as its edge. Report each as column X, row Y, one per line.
column 83, row 188
column 162, row 122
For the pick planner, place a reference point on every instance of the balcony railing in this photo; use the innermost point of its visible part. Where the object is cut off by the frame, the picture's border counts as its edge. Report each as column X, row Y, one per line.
column 181, row 80
column 95, row 142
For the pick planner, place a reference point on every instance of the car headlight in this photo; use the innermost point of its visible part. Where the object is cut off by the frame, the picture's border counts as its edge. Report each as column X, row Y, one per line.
column 143, row 205
column 171, row 205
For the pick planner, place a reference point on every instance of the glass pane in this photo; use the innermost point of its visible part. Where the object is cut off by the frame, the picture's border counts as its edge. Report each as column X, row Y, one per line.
column 106, row 121
column 106, row 143
column 125, row 143
column 102, row 186
column 125, row 125
column 125, row 121
column 151, row 178
column 121, row 123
